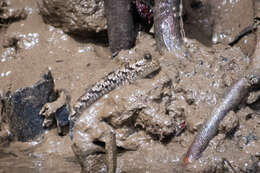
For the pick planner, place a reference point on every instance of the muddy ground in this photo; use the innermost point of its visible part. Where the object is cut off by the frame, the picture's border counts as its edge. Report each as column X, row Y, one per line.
column 196, row 85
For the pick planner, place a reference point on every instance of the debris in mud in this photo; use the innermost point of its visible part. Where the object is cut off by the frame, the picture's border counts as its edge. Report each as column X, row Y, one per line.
column 253, row 165
column 245, row 140
column 58, row 110
column 217, row 167
column 94, row 163
column 111, row 152
column 253, row 98
column 12, row 44
column 9, row 15
column 229, row 124
column 246, row 31
column 4, row 130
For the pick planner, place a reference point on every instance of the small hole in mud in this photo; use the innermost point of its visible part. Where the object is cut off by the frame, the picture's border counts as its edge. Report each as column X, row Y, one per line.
column 248, row 116
column 103, row 144
column 196, row 4
column 231, row 133
column 100, row 143
column 121, row 150
column 153, row 74
column 167, row 139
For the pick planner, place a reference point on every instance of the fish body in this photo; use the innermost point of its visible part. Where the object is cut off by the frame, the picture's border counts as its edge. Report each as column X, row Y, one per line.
column 126, row 74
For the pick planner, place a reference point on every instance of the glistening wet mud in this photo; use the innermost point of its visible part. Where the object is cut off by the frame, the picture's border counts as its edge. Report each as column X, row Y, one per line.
column 145, row 114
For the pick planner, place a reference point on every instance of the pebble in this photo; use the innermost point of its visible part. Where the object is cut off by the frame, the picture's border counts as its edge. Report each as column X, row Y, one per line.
column 5, row 74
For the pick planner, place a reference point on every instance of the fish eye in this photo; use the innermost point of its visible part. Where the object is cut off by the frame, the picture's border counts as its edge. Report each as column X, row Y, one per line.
column 147, row 56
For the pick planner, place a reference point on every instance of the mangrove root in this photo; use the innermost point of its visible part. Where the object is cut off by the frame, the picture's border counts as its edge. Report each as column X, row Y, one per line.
column 236, row 95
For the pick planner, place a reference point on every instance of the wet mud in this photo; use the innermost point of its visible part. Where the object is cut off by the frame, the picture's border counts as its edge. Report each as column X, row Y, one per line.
column 146, row 125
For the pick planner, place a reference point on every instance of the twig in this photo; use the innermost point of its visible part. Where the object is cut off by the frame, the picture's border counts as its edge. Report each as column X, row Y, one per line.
column 111, row 153
column 246, row 31
column 229, row 166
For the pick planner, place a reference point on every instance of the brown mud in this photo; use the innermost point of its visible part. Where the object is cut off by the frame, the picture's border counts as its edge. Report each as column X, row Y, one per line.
column 197, row 84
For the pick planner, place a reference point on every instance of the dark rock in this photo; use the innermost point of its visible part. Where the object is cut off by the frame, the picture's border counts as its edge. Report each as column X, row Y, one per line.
column 23, row 108
column 62, row 118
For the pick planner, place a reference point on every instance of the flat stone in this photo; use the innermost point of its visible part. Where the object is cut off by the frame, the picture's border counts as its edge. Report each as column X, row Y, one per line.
column 23, row 108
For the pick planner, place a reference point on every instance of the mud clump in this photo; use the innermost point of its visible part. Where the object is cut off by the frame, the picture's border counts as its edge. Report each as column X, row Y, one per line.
column 76, row 17
column 121, row 31
column 9, row 15
column 143, row 108
column 229, row 124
